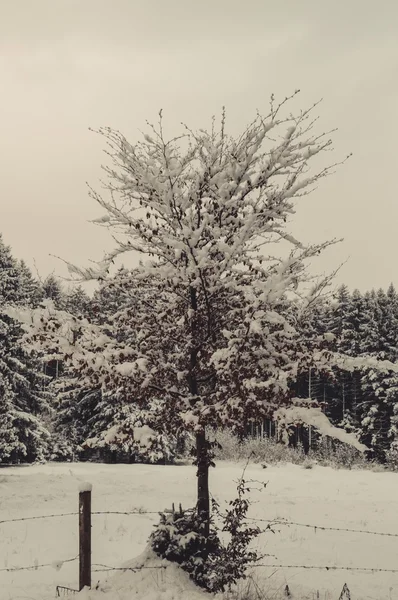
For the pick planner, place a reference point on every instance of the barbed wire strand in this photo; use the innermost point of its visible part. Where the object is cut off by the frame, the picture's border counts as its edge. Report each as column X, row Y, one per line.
column 328, row 568
column 147, row 512
column 135, row 512
column 133, row 569
column 276, row 522
column 35, row 567
column 38, row 517
column 107, row 568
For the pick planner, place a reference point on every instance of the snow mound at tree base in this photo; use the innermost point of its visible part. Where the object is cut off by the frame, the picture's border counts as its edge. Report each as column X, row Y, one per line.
column 154, row 579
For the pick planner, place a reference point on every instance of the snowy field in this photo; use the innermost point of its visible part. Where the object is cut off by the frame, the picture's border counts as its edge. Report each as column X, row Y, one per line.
column 320, row 496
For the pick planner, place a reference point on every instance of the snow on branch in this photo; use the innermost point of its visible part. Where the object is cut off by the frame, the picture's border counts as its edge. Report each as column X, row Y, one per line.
column 316, row 418
column 351, row 363
column 207, row 195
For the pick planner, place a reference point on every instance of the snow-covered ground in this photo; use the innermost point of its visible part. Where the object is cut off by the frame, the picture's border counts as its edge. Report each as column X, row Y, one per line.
column 319, row 496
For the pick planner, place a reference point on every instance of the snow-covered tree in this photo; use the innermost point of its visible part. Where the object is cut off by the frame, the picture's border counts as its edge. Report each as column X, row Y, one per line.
column 109, row 297
column 380, row 395
column 379, row 390
column 388, row 323
column 77, row 302
column 30, row 291
column 77, row 409
column 208, row 336
column 10, row 275
column 9, row 442
column 340, row 325
column 22, row 399
column 369, row 334
column 53, row 290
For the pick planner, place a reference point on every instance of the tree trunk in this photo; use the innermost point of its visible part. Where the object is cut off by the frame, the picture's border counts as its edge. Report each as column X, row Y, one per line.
column 203, row 504
column 202, row 453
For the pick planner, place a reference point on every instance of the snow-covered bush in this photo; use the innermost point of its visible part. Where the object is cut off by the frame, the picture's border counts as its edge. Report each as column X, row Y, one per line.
column 139, row 442
column 212, row 563
column 179, row 538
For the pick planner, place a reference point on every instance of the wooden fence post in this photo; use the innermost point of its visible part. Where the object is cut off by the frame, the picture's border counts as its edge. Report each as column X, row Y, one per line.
column 85, row 535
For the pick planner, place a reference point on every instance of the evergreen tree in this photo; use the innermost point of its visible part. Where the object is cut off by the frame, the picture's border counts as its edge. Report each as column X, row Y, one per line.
column 77, row 302
column 53, row 290
column 352, row 322
column 391, row 324
column 77, row 408
column 21, row 378
column 368, row 328
column 340, row 324
column 380, row 390
column 30, row 290
column 10, row 280
column 81, row 410
column 383, row 324
column 10, row 445
column 110, row 296
column 380, row 393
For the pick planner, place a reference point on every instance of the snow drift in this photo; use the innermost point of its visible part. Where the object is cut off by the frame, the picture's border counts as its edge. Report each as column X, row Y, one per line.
column 153, row 579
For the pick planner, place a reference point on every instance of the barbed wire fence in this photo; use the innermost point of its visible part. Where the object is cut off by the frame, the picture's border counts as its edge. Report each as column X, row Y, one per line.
column 103, row 568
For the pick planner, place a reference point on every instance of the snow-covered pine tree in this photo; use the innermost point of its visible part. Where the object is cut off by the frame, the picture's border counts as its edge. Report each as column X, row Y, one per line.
column 74, row 403
column 380, row 393
column 314, row 381
column 380, row 390
column 212, row 345
column 83, row 411
column 109, row 297
column 53, row 290
column 30, row 290
column 349, row 343
column 10, row 275
column 369, row 345
column 77, row 409
column 368, row 328
column 340, row 325
column 87, row 413
column 23, row 400
column 392, row 395
column 123, row 304
column 10, row 445
column 77, row 302
column 343, row 389
column 389, row 306
column 365, row 328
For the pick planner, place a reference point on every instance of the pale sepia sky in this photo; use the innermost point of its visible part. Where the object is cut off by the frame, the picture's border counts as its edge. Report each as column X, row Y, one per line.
column 66, row 65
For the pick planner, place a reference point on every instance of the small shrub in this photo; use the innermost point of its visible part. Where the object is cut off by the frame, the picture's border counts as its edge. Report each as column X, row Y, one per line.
column 178, row 538
column 211, row 564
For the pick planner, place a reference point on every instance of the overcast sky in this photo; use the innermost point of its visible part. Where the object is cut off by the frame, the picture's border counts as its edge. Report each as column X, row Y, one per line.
column 66, row 65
